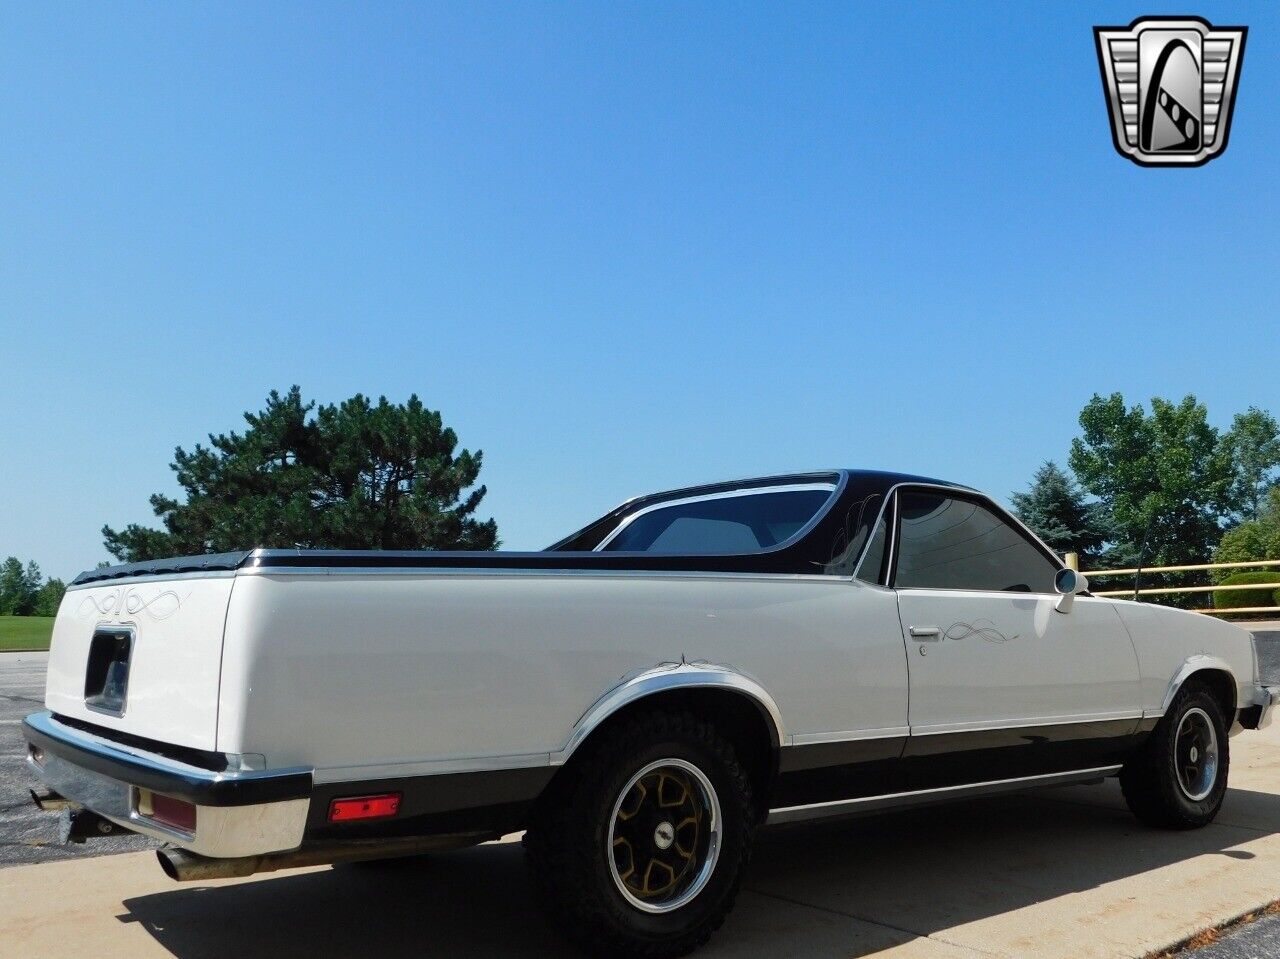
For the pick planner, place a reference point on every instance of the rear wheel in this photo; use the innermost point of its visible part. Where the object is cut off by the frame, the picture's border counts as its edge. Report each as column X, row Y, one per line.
column 1179, row 778
column 639, row 848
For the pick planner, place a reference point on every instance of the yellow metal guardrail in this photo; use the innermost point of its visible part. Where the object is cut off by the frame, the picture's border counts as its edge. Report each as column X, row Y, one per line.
column 1073, row 561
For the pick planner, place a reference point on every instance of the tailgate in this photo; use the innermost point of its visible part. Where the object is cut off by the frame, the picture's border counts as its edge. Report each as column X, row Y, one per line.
column 142, row 657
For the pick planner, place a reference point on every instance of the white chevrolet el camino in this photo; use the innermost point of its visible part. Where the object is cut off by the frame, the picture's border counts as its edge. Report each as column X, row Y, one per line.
column 639, row 697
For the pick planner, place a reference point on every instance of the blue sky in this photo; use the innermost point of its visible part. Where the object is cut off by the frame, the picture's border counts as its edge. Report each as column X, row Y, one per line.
column 620, row 247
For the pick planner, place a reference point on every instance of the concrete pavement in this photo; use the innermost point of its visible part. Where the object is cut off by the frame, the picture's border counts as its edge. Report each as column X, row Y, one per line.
column 1057, row 873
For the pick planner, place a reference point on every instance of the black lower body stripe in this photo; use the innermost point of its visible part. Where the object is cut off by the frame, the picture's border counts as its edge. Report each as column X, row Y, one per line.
column 866, row 768
column 500, row 800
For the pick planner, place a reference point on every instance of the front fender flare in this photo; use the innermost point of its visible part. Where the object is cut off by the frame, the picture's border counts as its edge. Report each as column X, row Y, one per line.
column 1195, row 664
column 665, row 678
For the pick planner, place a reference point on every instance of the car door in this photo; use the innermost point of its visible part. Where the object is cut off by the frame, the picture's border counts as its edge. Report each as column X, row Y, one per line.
column 1002, row 685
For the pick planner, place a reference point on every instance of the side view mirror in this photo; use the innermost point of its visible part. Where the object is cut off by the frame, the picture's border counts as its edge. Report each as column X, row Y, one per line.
column 1068, row 583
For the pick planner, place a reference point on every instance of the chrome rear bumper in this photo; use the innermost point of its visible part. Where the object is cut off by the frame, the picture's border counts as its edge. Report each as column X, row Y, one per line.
column 149, row 770
column 238, row 813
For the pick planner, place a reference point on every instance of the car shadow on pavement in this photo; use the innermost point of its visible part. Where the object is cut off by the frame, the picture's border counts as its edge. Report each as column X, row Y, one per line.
column 848, row 888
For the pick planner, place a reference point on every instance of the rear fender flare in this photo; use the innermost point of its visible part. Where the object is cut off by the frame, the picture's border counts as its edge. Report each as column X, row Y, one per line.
column 664, row 678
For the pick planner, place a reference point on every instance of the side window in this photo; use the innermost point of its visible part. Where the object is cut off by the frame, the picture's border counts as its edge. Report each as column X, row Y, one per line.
column 698, row 534
column 732, row 524
column 951, row 543
column 873, row 563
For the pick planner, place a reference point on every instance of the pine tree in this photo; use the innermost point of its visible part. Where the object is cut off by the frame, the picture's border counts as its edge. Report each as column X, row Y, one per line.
column 355, row 475
column 18, row 587
column 1056, row 509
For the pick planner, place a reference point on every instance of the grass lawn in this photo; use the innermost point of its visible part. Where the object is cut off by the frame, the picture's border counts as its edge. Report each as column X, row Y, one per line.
column 25, row 632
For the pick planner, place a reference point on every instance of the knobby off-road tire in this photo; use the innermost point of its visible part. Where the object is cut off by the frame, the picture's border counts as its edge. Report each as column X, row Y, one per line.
column 1179, row 778
column 639, row 847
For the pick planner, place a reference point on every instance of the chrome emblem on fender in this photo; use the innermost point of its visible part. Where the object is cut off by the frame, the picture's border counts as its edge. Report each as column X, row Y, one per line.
column 1170, row 84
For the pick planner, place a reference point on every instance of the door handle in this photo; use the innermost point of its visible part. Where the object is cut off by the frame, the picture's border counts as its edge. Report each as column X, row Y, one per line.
column 926, row 634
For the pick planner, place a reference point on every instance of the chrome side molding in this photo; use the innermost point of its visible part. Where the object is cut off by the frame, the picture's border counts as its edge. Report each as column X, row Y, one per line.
column 853, row 807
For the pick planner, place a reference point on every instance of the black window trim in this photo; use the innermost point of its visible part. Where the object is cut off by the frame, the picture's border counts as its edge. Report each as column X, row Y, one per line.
column 980, row 499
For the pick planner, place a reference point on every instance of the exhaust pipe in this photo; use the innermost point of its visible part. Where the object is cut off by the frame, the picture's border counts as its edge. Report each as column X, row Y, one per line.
column 183, row 866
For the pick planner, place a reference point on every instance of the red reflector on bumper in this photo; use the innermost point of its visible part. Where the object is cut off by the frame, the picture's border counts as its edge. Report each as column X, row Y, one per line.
column 173, row 812
column 364, row 807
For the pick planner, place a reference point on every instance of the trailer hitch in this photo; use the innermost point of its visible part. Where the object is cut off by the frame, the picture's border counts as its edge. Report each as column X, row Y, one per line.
column 77, row 825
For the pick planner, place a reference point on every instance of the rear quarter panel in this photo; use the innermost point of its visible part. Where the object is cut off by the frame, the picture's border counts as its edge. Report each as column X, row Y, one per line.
column 365, row 675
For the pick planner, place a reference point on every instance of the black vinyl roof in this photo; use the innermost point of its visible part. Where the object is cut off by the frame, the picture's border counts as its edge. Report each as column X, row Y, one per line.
column 887, row 479
column 854, row 485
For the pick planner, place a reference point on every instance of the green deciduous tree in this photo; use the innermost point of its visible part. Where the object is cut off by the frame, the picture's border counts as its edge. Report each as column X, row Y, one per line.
column 355, row 475
column 48, row 597
column 1254, row 540
column 1056, row 508
column 1253, row 443
column 1167, row 472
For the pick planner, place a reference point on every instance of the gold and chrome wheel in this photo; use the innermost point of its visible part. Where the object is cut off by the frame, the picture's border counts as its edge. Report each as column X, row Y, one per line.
column 638, row 848
column 664, row 836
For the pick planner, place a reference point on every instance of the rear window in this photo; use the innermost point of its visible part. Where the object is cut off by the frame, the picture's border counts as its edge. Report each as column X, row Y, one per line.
column 739, row 523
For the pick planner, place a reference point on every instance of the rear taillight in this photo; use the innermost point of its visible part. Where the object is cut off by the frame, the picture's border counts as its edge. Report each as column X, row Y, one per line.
column 364, row 807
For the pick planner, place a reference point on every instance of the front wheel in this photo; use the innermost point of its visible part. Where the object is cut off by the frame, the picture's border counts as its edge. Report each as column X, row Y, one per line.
column 640, row 848
column 1179, row 778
